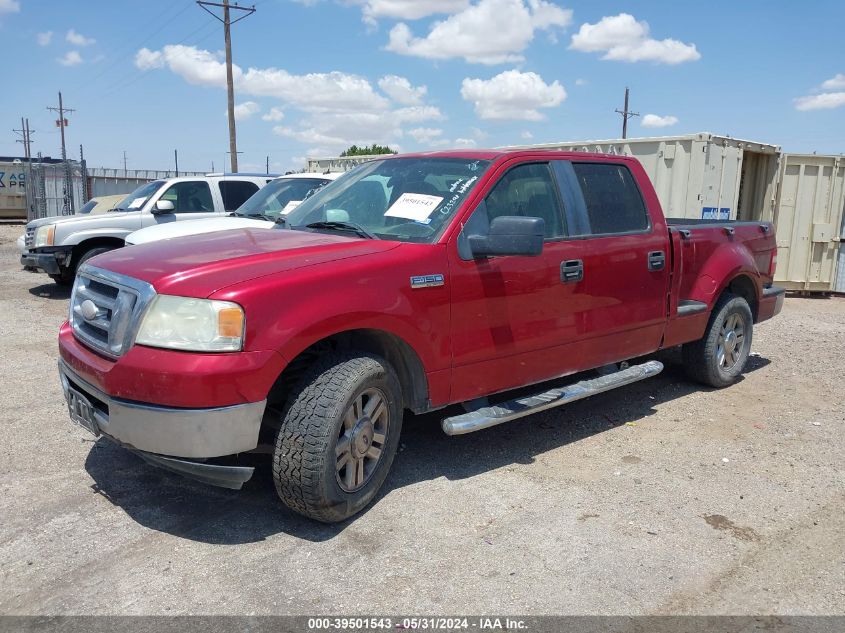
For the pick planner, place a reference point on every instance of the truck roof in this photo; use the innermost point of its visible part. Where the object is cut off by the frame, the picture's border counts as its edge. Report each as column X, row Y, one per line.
column 494, row 154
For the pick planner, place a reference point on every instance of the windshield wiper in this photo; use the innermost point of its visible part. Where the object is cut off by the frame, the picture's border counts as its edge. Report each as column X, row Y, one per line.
column 343, row 226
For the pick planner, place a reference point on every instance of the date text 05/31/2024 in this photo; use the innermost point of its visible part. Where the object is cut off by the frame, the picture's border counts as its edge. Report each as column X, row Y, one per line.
column 415, row 623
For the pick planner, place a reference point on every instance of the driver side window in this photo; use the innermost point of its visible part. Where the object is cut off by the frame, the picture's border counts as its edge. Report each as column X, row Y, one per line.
column 528, row 190
column 190, row 197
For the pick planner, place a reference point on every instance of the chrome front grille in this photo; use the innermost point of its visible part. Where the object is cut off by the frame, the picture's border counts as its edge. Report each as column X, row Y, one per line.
column 29, row 240
column 105, row 309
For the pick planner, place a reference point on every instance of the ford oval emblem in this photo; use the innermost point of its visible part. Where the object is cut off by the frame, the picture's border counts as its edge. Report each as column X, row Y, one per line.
column 89, row 310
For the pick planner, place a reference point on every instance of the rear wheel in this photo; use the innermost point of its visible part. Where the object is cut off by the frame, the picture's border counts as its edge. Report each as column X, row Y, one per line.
column 719, row 357
column 338, row 436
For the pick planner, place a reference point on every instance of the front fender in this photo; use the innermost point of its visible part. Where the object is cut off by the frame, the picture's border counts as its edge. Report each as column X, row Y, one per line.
column 77, row 237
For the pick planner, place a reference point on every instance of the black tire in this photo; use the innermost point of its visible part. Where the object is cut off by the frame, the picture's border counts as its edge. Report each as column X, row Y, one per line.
column 65, row 277
column 712, row 361
column 305, row 458
column 93, row 252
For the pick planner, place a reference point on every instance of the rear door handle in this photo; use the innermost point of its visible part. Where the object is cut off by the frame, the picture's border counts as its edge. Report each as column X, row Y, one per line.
column 572, row 271
column 656, row 260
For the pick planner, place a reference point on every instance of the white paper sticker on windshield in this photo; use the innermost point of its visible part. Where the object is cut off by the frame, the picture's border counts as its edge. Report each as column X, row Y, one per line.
column 137, row 203
column 414, row 206
column 290, row 206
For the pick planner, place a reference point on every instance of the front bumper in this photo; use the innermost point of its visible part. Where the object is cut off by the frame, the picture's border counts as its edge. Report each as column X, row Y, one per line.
column 166, row 432
column 771, row 302
column 47, row 262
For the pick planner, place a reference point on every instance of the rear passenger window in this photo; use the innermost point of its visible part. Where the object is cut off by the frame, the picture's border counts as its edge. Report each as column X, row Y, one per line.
column 236, row 192
column 613, row 200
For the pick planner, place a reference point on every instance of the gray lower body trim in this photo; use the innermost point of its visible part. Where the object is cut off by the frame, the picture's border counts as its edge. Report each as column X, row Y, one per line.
column 773, row 291
column 192, row 433
column 688, row 307
column 528, row 405
column 233, row 477
column 42, row 261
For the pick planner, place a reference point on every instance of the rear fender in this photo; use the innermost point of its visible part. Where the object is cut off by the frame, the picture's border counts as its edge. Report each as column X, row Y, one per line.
column 725, row 264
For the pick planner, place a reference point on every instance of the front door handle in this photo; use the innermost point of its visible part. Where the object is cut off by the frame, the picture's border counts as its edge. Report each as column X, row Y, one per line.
column 656, row 260
column 572, row 271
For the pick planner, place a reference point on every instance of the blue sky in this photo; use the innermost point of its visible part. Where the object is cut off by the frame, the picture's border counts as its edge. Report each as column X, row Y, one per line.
column 314, row 76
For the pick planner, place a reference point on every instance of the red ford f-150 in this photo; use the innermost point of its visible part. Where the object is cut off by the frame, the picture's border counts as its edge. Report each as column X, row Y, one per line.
column 412, row 282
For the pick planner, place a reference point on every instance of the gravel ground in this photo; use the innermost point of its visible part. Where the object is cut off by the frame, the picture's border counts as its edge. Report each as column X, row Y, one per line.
column 660, row 498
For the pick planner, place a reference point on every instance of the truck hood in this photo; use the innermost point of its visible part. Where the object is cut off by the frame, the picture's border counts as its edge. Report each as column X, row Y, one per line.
column 103, row 218
column 194, row 227
column 200, row 265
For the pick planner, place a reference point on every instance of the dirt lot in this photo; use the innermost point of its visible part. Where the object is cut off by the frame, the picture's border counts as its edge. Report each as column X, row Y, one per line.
column 663, row 497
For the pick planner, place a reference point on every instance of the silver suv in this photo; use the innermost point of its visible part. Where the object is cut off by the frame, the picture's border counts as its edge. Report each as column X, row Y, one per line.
column 58, row 245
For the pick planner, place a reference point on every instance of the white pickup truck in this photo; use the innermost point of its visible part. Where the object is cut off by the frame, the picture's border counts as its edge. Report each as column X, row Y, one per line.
column 58, row 245
column 261, row 211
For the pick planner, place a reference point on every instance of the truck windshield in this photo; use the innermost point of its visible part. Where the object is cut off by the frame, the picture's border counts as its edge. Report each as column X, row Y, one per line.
column 280, row 196
column 406, row 199
column 135, row 200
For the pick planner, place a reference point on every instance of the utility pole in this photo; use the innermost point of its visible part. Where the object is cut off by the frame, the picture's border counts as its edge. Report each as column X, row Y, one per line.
column 227, row 24
column 176, row 160
column 26, row 139
column 125, row 173
column 62, row 123
column 626, row 114
column 86, row 192
column 268, row 165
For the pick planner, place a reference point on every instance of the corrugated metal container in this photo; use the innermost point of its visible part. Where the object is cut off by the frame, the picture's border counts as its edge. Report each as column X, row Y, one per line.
column 12, row 190
column 809, row 220
column 337, row 163
column 699, row 175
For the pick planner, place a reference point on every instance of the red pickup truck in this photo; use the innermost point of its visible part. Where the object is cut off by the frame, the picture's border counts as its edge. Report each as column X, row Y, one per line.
column 412, row 282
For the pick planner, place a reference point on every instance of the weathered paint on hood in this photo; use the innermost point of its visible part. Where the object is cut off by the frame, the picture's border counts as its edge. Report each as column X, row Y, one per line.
column 199, row 265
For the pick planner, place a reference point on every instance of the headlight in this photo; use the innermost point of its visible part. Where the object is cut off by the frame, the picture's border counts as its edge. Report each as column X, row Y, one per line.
column 44, row 236
column 198, row 325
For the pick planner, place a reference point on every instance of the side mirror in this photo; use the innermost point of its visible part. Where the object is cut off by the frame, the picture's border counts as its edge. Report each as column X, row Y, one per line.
column 510, row 235
column 163, row 206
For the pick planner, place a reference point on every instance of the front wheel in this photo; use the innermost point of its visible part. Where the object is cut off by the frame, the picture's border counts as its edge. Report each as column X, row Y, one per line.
column 338, row 436
column 719, row 357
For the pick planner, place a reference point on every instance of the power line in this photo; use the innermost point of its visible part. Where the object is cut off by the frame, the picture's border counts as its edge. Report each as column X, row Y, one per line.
column 227, row 36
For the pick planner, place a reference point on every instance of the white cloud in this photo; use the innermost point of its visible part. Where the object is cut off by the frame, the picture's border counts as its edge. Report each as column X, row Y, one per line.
column 654, row 120
column 836, row 83
column 622, row 38
column 823, row 101
column 408, row 9
column 334, row 91
column 526, row 135
column 275, row 114
column 71, row 58
column 9, row 6
column 400, row 90
column 45, row 38
column 512, row 95
column 464, row 142
column 245, row 110
column 581, row 82
column 77, row 39
column 425, row 135
column 490, row 32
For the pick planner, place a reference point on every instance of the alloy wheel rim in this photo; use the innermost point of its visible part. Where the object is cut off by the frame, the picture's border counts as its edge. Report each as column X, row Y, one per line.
column 731, row 342
column 361, row 440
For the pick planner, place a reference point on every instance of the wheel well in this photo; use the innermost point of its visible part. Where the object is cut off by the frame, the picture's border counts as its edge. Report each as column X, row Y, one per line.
column 744, row 287
column 95, row 242
column 401, row 356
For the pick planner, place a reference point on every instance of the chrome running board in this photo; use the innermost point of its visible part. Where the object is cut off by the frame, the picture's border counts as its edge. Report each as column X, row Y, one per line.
column 485, row 417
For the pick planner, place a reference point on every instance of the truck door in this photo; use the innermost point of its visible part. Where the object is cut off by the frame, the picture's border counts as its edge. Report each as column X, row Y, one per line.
column 596, row 295
column 623, row 252
column 192, row 200
column 510, row 313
